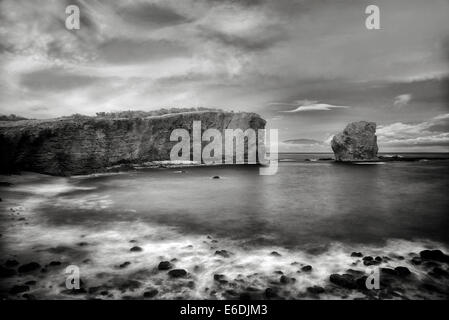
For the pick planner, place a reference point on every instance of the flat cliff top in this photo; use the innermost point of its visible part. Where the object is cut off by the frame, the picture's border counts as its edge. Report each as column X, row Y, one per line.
column 48, row 123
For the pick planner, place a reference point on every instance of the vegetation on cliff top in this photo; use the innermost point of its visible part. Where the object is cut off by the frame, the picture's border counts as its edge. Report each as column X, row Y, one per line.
column 127, row 114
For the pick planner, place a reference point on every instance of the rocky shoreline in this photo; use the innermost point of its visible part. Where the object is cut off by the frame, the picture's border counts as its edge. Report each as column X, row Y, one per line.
column 22, row 279
column 40, row 274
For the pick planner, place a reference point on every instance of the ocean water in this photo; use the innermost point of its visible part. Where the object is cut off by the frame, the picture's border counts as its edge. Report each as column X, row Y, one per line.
column 310, row 213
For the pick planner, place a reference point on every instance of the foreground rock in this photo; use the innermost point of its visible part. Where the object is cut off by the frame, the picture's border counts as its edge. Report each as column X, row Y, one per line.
column 357, row 142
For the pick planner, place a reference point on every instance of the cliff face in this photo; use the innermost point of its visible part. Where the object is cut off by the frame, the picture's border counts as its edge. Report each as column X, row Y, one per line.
column 357, row 142
column 81, row 146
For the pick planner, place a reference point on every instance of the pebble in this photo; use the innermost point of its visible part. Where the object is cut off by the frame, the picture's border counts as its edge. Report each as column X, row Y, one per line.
column 150, row 293
column 164, row 265
column 136, row 249
column 177, row 273
column 306, row 268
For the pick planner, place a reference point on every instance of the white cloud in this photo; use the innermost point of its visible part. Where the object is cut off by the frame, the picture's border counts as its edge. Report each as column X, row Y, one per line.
column 306, row 105
column 434, row 132
column 402, row 100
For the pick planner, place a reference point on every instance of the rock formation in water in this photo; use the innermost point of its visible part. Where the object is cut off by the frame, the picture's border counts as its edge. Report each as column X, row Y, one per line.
column 357, row 142
column 83, row 145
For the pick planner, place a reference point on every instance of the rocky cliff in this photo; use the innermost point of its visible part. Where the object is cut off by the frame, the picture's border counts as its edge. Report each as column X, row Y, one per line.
column 357, row 142
column 83, row 145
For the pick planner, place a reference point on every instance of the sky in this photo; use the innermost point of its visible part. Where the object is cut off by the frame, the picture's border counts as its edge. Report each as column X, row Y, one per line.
column 308, row 67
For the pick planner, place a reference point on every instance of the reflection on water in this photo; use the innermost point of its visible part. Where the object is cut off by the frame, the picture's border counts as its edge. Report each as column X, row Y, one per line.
column 304, row 204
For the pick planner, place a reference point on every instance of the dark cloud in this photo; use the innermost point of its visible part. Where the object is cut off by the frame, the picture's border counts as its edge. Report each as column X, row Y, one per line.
column 55, row 79
column 152, row 15
column 124, row 50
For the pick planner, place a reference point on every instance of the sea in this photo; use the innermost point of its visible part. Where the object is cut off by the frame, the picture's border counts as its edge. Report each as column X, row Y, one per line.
column 248, row 227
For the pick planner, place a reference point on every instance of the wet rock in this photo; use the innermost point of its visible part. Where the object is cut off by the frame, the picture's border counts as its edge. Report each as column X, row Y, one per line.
column 124, row 264
column 284, row 279
column 306, row 268
column 416, row 260
column 402, row 271
column 270, row 293
column 378, row 259
column 130, row 285
column 223, row 253
column 136, row 249
column 74, row 291
column 31, row 283
column 356, row 254
column 54, row 263
column 28, row 296
column 132, row 241
column 82, row 244
column 93, row 290
column 19, row 289
column 357, row 142
column 164, row 265
column 388, row 271
column 355, row 272
column 437, row 272
column 315, row 290
column 11, row 263
column 345, row 280
column 361, row 282
column 216, row 177
column 150, row 293
column 275, row 253
column 231, row 293
column 177, row 273
column 278, row 272
column 220, row 278
column 29, row 267
column 436, row 255
column 368, row 258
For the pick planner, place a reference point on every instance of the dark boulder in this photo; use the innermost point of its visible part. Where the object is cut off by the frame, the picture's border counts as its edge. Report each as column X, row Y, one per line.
column 315, row 290
column 356, row 254
column 150, row 293
column 29, row 267
column 6, row 272
column 436, row 255
column 402, row 271
column 177, row 273
column 136, row 249
column 164, row 265
column 11, row 263
column 345, row 280
column 306, row 268
column 18, row 289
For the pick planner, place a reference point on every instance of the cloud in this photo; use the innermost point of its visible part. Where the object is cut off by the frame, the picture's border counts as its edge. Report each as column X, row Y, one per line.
column 306, row 105
column 402, row 100
column 434, row 132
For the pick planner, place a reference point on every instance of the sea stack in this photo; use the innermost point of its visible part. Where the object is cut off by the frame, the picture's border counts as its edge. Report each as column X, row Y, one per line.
column 357, row 142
